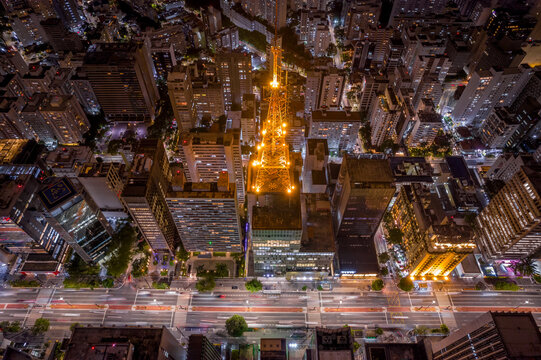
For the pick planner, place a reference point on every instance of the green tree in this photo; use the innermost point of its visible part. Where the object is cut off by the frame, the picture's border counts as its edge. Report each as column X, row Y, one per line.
column 320, row 288
column 205, row 284
column 74, row 325
column 139, row 267
column 405, row 284
column 420, row 330
column 526, row 266
column 254, row 285
column 378, row 285
column 121, row 247
column 383, row 257
column 182, row 254
column 331, row 50
column 444, row 329
column 395, row 236
column 379, row 331
column 384, row 271
column 10, row 327
column 304, row 288
column 40, row 326
column 236, row 325
column 221, row 270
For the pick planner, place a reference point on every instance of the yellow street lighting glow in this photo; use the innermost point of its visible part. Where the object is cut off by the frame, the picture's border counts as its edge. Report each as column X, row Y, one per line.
column 274, row 84
column 412, row 277
column 284, row 125
column 446, row 277
column 288, row 190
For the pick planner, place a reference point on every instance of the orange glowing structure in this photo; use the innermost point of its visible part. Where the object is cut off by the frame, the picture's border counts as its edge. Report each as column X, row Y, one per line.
column 271, row 167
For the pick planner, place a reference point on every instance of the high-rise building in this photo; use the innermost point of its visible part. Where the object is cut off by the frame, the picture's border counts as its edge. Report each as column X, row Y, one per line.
column 493, row 335
column 103, row 182
column 276, row 232
column 117, row 342
column 179, row 87
column 331, row 91
column 311, row 95
column 206, row 215
column 340, row 128
column 498, row 128
column 314, row 31
column 27, row 28
column 363, row 191
column 206, row 155
column 144, row 196
column 273, row 349
column 234, row 71
column 385, row 118
column 507, row 165
column 510, row 226
column 334, row 343
column 200, row 348
column 67, row 11
column 23, row 227
column 77, row 219
column 434, row 244
column 122, row 76
column 65, row 117
column 359, row 16
column 275, row 12
column 486, row 90
column 425, row 129
column 59, row 38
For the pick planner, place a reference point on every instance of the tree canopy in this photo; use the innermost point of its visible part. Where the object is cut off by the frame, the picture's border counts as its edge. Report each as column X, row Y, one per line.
column 254, row 285
column 121, row 247
column 377, row 285
column 405, row 284
column 40, row 326
column 236, row 325
column 395, row 236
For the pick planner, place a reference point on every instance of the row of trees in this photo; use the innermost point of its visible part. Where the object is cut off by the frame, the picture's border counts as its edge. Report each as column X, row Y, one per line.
column 40, row 326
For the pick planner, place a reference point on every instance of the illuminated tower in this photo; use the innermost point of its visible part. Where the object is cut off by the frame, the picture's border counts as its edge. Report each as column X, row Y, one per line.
column 271, row 167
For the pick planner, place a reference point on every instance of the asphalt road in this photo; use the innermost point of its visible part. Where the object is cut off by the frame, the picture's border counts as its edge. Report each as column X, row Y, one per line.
column 289, row 309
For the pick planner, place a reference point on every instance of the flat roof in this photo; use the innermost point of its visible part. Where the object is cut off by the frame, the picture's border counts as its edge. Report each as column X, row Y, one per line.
column 368, row 170
column 281, row 212
column 57, row 193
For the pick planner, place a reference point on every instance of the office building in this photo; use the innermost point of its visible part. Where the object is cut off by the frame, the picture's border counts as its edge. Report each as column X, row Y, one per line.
column 206, row 155
column 65, row 117
column 311, row 95
column 363, row 191
column 510, row 226
column 314, row 171
column 334, row 343
column 339, row 128
column 68, row 12
column 206, row 215
column 487, row 89
column 234, row 71
column 180, row 94
column 82, row 89
column 59, row 38
column 68, row 160
column 493, row 335
column 273, row 349
column 75, row 216
column 89, row 343
column 434, row 244
column 144, row 196
column 276, row 232
column 248, row 119
column 163, row 58
column 104, row 183
column 23, row 228
column 26, row 26
column 122, row 77
column 200, row 348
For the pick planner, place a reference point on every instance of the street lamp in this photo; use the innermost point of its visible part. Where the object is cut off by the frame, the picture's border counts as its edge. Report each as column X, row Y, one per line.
column 340, row 304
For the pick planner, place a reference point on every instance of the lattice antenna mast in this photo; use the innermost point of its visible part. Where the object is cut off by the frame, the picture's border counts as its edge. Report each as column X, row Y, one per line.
column 272, row 164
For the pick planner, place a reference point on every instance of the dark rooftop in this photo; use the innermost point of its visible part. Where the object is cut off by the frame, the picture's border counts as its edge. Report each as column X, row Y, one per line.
column 282, row 212
column 368, row 170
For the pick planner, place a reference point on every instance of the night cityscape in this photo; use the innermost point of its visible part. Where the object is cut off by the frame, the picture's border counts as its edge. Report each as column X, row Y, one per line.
column 270, row 179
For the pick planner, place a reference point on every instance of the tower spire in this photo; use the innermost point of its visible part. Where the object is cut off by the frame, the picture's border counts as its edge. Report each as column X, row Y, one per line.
column 272, row 163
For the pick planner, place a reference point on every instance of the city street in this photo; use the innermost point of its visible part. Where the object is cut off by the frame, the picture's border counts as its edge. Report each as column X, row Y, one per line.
column 287, row 309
